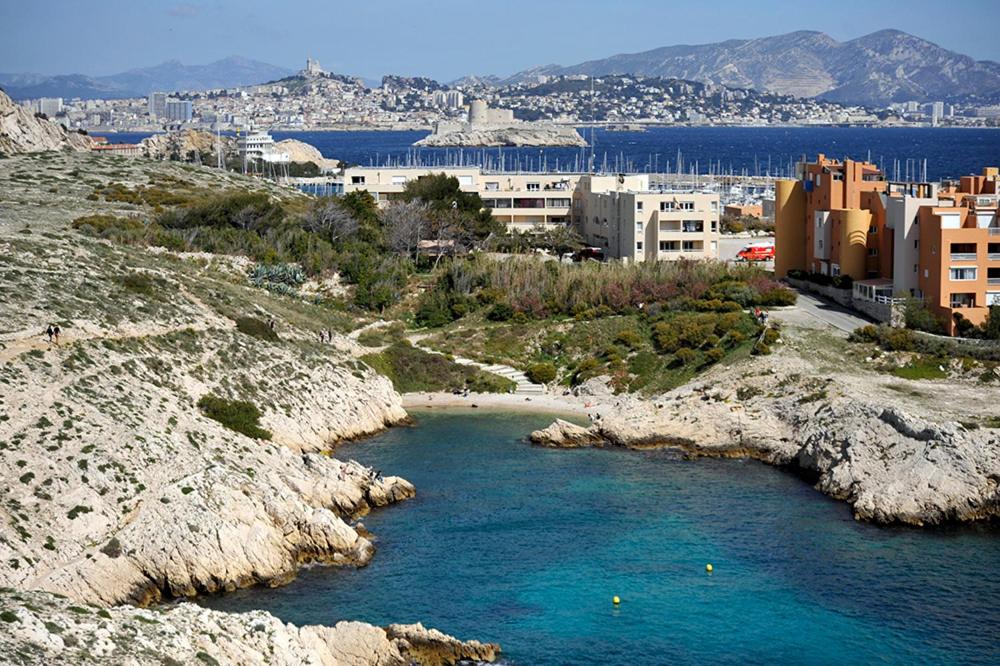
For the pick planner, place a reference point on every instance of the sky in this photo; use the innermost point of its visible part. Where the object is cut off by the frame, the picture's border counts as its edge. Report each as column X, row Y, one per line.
column 442, row 39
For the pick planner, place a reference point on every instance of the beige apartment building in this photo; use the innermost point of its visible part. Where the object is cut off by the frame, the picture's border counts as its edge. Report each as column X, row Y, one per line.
column 622, row 215
column 619, row 214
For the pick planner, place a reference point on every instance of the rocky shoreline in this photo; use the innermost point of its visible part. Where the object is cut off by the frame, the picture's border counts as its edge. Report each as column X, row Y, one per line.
column 890, row 466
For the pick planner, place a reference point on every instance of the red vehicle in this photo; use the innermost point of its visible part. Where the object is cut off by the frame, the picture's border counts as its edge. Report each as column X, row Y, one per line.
column 757, row 252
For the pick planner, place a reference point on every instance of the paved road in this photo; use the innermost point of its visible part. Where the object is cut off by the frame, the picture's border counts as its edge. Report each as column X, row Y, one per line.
column 816, row 312
column 728, row 247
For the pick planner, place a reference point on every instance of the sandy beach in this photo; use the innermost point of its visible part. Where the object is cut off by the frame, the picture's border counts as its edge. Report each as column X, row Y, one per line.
column 566, row 405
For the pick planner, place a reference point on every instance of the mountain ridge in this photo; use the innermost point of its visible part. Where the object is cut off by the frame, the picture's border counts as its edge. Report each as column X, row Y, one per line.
column 169, row 76
column 875, row 69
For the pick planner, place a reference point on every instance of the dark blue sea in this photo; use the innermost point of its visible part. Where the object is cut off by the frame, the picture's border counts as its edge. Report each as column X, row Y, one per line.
column 527, row 546
column 751, row 150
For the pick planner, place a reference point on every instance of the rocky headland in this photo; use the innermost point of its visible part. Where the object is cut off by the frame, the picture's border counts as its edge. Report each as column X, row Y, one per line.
column 117, row 489
column 855, row 441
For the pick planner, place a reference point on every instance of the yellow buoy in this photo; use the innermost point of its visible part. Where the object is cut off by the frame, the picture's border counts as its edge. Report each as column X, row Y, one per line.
column 615, row 600
column 708, row 568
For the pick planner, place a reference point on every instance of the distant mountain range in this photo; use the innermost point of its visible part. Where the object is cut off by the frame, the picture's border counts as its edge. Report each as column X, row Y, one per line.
column 874, row 70
column 168, row 77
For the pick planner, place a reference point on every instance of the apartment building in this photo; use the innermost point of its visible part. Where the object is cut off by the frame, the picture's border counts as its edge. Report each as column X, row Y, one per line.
column 622, row 215
column 525, row 202
column 923, row 240
column 619, row 214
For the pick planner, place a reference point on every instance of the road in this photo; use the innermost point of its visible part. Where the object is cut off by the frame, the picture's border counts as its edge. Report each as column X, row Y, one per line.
column 728, row 247
column 815, row 312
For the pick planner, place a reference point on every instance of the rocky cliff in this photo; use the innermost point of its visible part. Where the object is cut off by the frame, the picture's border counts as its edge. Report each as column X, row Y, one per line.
column 42, row 628
column 180, row 145
column 117, row 486
column 22, row 132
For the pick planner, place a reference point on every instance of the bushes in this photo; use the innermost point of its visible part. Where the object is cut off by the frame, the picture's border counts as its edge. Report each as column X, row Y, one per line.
column 500, row 312
column 411, row 370
column 255, row 327
column 237, row 415
column 541, row 373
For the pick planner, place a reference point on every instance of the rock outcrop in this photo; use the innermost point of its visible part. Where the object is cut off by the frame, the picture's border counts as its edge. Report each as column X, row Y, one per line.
column 22, row 132
column 525, row 134
column 183, row 143
column 41, row 628
column 301, row 152
column 888, row 464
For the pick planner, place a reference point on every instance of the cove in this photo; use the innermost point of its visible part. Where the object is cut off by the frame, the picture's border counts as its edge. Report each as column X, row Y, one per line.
column 526, row 546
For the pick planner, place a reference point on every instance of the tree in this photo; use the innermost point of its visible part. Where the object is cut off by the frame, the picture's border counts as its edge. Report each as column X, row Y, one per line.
column 406, row 223
column 443, row 194
column 991, row 327
column 332, row 221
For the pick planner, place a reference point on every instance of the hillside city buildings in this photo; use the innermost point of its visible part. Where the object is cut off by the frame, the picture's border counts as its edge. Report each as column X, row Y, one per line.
column 939, row 242
column 620, row 214
column 315, row 99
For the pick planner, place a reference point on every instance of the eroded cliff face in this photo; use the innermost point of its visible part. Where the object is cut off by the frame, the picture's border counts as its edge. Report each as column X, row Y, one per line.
column 40, row 628
column 22, row 132
column 859, row 444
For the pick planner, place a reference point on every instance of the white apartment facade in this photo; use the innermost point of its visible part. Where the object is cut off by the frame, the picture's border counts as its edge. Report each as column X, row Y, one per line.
column 619, row 214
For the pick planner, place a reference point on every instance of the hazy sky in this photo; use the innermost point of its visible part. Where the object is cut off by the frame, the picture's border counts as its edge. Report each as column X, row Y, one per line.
column 443, row 39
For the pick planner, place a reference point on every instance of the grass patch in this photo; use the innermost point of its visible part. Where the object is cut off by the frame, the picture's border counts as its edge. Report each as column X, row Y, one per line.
column 257, row 328
column 921, row 369
column 237, row 415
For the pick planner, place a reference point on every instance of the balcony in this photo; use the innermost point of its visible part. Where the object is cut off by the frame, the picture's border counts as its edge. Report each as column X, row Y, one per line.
column 994, row 231
column 993, row 256
column 963, row 256
column 993, row 281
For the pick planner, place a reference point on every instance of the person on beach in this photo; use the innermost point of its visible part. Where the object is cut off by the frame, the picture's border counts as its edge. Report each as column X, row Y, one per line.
column 50, row 332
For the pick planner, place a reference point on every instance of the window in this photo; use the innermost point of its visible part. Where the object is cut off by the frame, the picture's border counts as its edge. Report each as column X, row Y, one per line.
column 687, row 246
column 873, row 252
column 915, row 268
column 493, row 187
column 668, row 246
column 638, row 245
column 686, row 205
column 529, row 203
column 715, row 226
column 357, row 180
column 873, row 229
column 693, row 226
column 666, row 206
column 465, row 180
column 963, row 274
column 558, row 203
column 916, row 244
column 533, row 187
column 399, row 180
column 638, row 206
column 963, row 300
column 638, row 227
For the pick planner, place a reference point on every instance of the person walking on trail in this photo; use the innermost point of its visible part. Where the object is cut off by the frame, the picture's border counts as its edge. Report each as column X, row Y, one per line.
column 55, row 333
column 50, row 332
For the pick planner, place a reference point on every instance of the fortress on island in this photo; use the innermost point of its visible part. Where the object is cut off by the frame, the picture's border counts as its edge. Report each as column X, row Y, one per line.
column 498, row 127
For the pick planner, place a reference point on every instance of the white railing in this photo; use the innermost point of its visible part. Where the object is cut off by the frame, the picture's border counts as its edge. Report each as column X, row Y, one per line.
column 993, row 256
column 994, row 231
column 963, row 256
column 993, row 281
column 886, row 300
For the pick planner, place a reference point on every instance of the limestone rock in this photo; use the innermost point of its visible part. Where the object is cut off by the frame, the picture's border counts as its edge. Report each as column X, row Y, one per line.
column 186, row 141
column 526, row 134
column 22, row 132
column 299, row 151
column 430, row 647
column 564, row 434
column 41, row 628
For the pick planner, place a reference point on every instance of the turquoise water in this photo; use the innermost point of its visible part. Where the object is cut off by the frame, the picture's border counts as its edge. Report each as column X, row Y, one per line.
column 526, row 546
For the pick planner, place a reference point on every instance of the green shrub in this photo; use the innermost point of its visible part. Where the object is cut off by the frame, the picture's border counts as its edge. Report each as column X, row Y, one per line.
column 897, row 339
column 777, row 297
column 411, row 369
column 500, row 312
column 237, row 415
column 684, row 356
column 541, row 373
column 112, row 548
column 714, row 355
column 771, row 336
column 867, row 333
column 256, row 328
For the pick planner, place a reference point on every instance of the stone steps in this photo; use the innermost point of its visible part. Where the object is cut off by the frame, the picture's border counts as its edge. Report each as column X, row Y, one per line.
column 524, row 385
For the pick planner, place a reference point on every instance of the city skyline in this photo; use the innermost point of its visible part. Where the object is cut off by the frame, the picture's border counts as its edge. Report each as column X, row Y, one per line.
column 434, row 38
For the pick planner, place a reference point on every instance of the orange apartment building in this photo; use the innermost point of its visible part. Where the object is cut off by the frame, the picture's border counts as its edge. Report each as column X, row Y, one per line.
column 894, row 239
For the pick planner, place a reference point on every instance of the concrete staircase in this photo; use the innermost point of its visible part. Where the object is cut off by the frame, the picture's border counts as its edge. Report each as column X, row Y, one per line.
column 524, row 385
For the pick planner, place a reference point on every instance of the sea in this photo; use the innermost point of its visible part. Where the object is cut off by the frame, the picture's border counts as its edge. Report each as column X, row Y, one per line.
column 527, row 547
column 904, row 153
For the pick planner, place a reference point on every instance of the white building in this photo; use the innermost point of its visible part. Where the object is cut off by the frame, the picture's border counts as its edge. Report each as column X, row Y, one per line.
column 157, row 105
column 50, row 106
